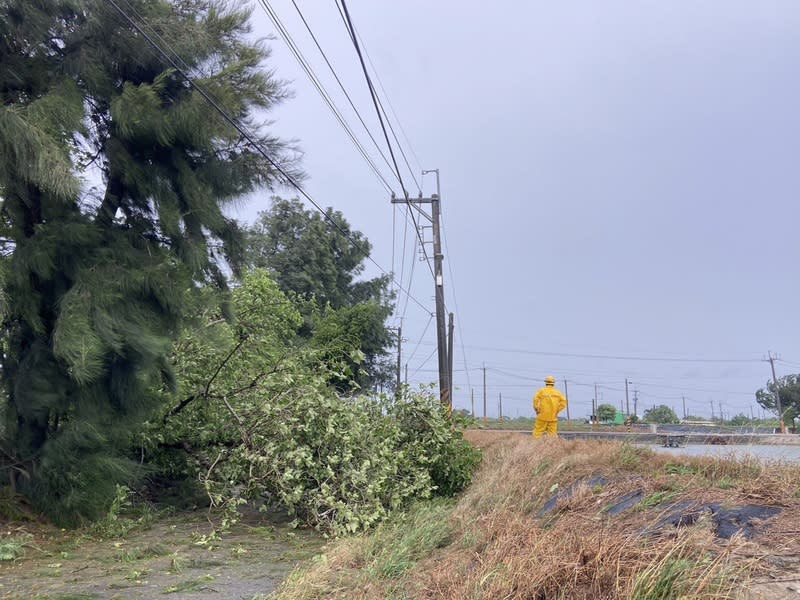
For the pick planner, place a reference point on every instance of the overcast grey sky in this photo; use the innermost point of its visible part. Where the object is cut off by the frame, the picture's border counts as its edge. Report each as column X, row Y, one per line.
column 618, row 179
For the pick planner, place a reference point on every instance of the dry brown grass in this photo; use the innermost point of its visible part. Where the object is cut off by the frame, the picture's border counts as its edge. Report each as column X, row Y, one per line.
column 499, row 547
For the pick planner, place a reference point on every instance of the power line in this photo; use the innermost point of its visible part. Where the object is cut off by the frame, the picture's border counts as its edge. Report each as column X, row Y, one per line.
column 411, row 273
column 374, row 96
column 414, row 351
column 615, row 357
column 391, row 107
column 376, row 101
column 247, row 135
column 424, row 362
column 638, row 382
column 341, row 85
column 320, row 88
column 455, row 297
column 403, row 253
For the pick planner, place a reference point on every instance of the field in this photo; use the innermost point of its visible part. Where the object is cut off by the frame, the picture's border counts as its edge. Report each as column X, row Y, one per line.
column 578, row 519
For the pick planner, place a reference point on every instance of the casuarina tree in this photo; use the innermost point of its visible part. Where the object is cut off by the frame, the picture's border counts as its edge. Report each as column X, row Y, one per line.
column 114, row 175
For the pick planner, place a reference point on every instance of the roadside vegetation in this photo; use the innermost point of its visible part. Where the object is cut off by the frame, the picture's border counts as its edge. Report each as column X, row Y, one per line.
column 575, row 519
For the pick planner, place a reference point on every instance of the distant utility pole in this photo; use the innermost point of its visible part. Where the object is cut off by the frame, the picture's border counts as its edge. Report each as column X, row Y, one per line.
column 684, row 407
column 566, row 396
column 406, row 376
column 721, row 414
column 627, row 402
column 472, row 401
column 711, row 402
column 771, row 359
column 484, row 392
column 500, row 406
column 594, row 404
column 636, row 402
column 445, row 390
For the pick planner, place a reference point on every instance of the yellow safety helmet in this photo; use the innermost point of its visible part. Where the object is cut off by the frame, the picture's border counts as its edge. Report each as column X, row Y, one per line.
column 550, row 380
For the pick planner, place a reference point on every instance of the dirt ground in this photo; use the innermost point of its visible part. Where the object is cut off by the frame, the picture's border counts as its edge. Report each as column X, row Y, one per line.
column 174, row 558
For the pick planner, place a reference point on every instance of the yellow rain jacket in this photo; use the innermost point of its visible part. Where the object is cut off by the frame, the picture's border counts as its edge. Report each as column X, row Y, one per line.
column 548, row 402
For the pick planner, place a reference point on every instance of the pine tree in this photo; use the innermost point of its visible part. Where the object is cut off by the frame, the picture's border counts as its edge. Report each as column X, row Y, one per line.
column 95, row 275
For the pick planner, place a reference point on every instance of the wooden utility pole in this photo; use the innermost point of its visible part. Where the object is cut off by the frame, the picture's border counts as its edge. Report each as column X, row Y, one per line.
column 472, row 401
column 500, row 406
column 771, row 360
column 627, row 402
column 484, row 392
column 445, row 391
column 566, row 396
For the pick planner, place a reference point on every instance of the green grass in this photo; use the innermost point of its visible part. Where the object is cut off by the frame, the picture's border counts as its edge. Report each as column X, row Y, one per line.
column 680, row 469
column 12, row 548
column 398, row 544
column 655, row 499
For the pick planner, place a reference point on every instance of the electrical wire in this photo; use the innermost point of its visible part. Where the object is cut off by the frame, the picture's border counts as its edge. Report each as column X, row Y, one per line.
column 341, row 85
column 425, row 362
column 378, row 109
column 373, row 95
column 388, row 101
column 453, row 288
column 403, row 253
column 391, row 107
column 248, row 136
column 424, row 331
column 615, row 357
column 411, row 274
column 376, row 102
column 295, row 50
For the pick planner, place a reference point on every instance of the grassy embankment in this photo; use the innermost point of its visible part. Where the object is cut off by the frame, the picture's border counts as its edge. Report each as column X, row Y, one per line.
column 495, row 540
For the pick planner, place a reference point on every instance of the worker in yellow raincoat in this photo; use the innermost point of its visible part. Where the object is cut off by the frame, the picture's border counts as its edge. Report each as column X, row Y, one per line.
column 547, row 403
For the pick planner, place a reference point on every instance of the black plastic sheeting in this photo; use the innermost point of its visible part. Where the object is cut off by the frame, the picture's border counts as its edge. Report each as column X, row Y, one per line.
column 592, row 481
column 625, row 502
column 728, row 520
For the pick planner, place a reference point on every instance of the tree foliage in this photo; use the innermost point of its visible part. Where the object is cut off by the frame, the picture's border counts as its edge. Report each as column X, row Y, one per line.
column 789, row 390
column 260, row 423
column 320, row 263
column 606, row 412
column 661, row 414
column 97, row 279
column 740, row 420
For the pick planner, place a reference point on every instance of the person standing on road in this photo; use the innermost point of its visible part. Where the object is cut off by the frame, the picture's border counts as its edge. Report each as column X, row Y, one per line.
column 547, row 403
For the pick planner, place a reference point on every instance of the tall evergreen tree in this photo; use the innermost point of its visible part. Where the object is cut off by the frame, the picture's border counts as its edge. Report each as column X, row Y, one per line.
column 95, row 279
